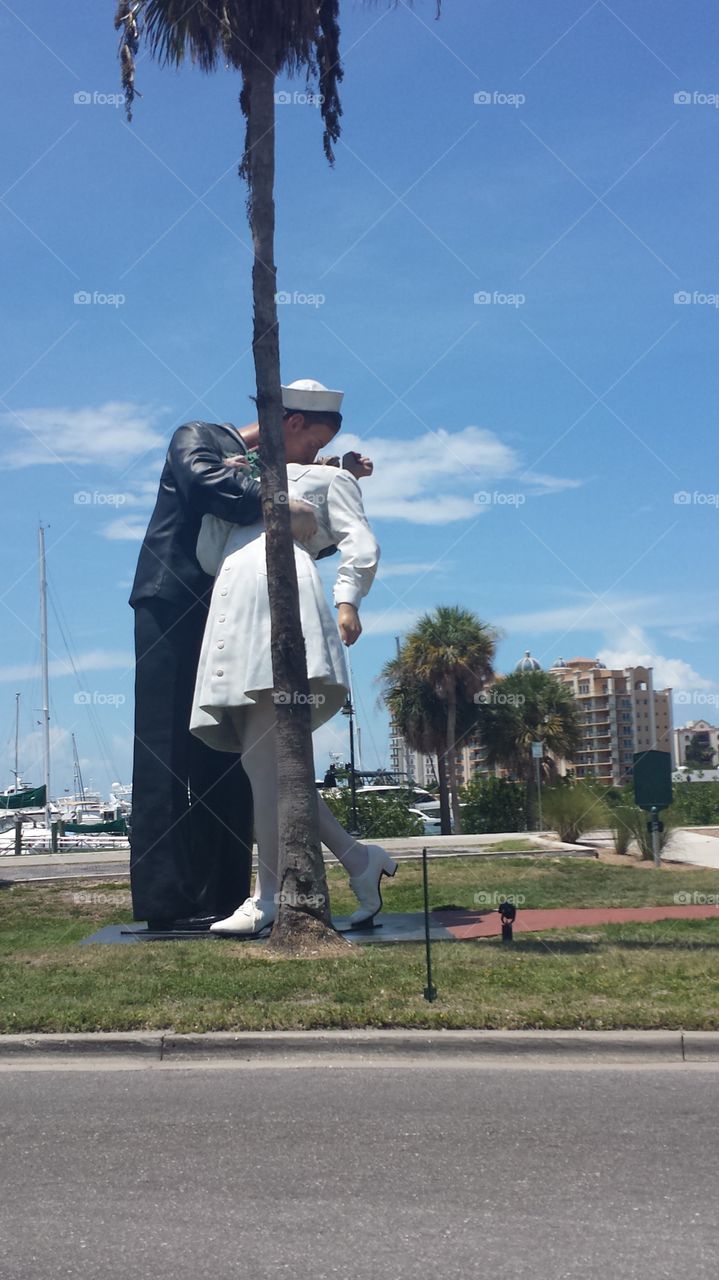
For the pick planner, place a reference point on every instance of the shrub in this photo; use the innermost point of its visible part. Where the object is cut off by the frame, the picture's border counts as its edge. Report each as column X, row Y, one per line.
column 637, row 820
column 493, row 804
column 377, row 817
column 620, row 822
column 573, row 809
column 696, row 804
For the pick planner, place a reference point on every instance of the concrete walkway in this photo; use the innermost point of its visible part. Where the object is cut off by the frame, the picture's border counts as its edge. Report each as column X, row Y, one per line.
column 116, row 862
column 698, row 848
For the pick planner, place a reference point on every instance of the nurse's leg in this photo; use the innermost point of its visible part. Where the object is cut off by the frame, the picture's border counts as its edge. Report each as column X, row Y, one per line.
column 346, row 848
column 256, row 727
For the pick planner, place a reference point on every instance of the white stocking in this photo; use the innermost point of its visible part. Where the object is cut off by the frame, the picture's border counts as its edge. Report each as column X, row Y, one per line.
column 256, row 727
column 346, row 848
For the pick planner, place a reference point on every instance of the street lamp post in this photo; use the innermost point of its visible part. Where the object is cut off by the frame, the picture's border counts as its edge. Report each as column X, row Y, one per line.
column 348, row 710
column 537, row 754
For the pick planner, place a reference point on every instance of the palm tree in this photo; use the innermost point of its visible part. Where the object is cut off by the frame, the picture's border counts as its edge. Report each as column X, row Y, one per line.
column 525, row 707
column 434, row 683
column 261, row 39
column 418, row 716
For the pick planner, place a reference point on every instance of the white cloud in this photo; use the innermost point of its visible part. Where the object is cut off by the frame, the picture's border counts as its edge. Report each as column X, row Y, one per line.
column 111, row 434
column 98, row 660
column 432, row 478
column 410, row 569
column 622, row 641
column 388, row 622
column 122, row 530
column 669, row 673
column 330, row 737
column 613, row 613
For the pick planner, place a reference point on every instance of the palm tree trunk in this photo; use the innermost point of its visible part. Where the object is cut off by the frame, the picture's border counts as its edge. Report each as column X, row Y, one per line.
column 444, row 810
column 302, row 877
column 452, row 756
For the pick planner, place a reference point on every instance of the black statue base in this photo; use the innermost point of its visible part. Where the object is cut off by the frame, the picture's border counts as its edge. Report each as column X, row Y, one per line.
column 391, row 926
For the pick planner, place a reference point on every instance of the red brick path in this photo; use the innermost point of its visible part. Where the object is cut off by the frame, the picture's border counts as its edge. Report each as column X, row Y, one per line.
column 487, row 924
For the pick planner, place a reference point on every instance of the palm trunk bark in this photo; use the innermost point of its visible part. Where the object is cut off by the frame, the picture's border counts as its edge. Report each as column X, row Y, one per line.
column 452, row 756
column 304, row 911
column 444, row 810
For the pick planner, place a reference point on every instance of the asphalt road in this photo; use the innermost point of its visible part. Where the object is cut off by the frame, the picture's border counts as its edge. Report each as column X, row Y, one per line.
column 364, row 1172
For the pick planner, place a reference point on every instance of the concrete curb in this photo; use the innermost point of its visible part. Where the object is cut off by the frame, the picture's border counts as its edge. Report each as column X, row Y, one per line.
column 262, row 1047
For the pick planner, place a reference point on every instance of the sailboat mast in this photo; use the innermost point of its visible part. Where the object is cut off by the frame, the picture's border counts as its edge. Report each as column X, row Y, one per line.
column 358, row 733
column 79, row 784
column 17, row 737
column 45, row 675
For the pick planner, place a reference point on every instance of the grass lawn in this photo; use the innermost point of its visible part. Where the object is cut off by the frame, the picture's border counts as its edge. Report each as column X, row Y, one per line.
column 643, row 976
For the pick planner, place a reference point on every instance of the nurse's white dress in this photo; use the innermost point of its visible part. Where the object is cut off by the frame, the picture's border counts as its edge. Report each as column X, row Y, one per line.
column 235, row 661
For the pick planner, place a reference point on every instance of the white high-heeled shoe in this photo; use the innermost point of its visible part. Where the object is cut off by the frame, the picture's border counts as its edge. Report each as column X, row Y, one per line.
column 255, row 915
column 366, row 888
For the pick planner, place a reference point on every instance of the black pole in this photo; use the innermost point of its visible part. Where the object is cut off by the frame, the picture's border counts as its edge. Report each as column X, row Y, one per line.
column 353, row 780
column 430, row 991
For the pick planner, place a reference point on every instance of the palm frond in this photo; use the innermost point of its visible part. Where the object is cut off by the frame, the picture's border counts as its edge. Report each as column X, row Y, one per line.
column 290, row 36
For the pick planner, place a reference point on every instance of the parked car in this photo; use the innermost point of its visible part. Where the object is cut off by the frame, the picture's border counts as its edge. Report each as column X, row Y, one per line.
column 418, row 796
column 432, row 825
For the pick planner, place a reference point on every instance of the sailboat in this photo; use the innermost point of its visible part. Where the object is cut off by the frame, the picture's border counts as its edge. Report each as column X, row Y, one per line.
column 19, row 795
column 88, row 814
column 83, row 813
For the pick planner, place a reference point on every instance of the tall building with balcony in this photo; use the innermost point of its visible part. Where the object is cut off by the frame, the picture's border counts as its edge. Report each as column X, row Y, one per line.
column 620, row 713
column 405, row 763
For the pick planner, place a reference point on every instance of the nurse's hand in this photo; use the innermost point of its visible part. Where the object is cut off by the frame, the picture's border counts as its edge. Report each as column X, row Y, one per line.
column 357, row 464
column 302, row 520
column 350, row 627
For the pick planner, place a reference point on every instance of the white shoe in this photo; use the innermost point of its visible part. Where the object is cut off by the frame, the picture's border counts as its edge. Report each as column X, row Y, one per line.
column 366, row 888
column 255, row 915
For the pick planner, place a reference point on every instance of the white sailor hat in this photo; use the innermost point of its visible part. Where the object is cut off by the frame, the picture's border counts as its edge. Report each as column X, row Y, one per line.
column 307, row 396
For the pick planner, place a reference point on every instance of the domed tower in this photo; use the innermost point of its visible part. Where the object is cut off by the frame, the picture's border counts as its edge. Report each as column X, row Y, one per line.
column 528, row 663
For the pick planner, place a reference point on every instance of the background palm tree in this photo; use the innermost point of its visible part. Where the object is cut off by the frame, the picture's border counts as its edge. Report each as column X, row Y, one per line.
column 432, row 688
column 525, row 707
column 418, row 715
column 261, row 39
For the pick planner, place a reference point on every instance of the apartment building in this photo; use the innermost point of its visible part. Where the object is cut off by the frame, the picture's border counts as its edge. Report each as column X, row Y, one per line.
column 620, row 713
column 706, row 737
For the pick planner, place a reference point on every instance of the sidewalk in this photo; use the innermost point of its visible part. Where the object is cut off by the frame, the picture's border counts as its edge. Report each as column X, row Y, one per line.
column 404, row 847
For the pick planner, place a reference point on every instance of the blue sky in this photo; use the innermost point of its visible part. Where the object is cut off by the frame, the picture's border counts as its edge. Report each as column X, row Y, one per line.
column 529, row 446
